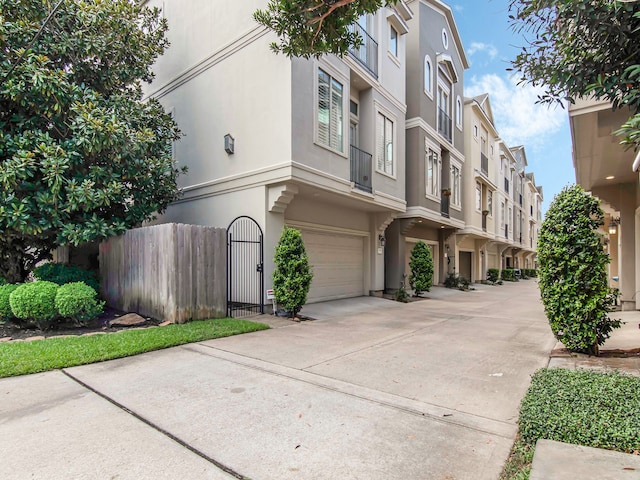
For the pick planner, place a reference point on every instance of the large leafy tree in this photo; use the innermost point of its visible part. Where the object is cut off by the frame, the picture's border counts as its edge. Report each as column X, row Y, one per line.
column 311, row 28
column 573, row 274
column 578, row 48
column 82, row 156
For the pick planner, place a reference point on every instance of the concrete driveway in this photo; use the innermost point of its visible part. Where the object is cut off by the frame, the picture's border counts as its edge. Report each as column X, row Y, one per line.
column 426, row 390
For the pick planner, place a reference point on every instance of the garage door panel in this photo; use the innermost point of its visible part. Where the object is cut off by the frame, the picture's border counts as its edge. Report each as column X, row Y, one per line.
column 337, row 261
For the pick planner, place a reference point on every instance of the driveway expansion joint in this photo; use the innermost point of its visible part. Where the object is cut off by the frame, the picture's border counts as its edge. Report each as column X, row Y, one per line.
column 156, row 427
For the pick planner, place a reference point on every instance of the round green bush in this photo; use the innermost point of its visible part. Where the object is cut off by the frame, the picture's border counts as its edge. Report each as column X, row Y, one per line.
column 78, row 301
column 61, row 274
column 5, row 307
column 35, row 302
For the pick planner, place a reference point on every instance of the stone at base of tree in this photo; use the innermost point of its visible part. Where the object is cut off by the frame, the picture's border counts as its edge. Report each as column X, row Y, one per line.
column 33, row 339
column 164, row 324
column 128, row 320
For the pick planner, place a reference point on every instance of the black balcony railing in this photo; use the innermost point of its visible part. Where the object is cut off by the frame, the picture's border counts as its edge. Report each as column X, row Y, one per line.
column 506, row 185
column 484, row 164
column 444, row 205
column 484, row 223
column 360, row 169
column 444, row 124
column 367, row 53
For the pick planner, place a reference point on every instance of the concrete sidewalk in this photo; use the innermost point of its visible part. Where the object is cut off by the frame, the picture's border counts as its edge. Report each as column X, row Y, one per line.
column 426, row 390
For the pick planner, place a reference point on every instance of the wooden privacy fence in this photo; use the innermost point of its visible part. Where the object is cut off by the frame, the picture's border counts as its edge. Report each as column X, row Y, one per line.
column 172, row 272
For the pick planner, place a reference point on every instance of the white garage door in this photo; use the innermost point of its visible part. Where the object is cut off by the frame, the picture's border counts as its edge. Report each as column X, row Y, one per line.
column 338, row 265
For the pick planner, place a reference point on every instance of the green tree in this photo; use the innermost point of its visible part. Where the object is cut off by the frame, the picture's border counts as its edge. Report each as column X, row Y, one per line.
column 82, row 156
column 572, row 271
column 421, row 264
column 581, row 48
column 292, row 275
column 311, row 28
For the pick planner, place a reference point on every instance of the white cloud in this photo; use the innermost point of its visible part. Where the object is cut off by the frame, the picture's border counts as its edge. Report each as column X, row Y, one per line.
column 457, row 7
column 518, row 118
column 487, row 48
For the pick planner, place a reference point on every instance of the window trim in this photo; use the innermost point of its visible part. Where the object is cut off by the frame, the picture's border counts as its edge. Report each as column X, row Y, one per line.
column 459, row 113
column 428, row 91
column 394, row 139
column 397, row 42
column 458, row 166
column 334, row 75
column 436, row 196
column 478, row 197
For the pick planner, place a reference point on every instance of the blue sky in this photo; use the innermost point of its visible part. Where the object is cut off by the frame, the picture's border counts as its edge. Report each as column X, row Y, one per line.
column 544, row 131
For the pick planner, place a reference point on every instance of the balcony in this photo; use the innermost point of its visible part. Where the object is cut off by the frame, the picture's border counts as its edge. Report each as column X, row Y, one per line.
column 444, row 124
column 506, row 185
column 367, row 53
column 444, row 205
column 484, row 164
column 360, row 169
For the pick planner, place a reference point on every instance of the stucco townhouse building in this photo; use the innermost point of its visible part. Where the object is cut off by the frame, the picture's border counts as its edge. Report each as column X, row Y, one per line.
column 604, row 168
column 366, row 154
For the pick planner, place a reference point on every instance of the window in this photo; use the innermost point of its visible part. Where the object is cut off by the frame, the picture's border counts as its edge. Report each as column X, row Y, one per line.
column 510, row 216
column 330, row 117
column 478, row 196
column 475, row 131
column 428, row 76
column 445, row 39
column 502, row 215
column 459, row 113
column 384, row 144
column 393, row 41
column 433, row 173
column 490, row 202
column 455, row 185
column 444, row 111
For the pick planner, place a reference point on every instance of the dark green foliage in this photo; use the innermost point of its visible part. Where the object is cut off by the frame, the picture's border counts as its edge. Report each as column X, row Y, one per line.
column 79, row 302
column 34, row 302
column 292, row 275
column 508, row 275
column 421, row 264
column 529, row 272
column 582, row 48
column 5, row 307
column 582, row 407
column 309, row 28
column 492, row 275
column 82, row 156
column 454, row 280
column 61, row 273
column 572, row 273
column 401, row 294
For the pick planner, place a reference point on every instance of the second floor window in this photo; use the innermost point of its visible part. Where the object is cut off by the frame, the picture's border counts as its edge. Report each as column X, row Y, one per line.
column 490, row 202
column 393, row 41
column 384, row 144
column 433, row 173
column 455, row 183
column 478, row 196
column 330, row 114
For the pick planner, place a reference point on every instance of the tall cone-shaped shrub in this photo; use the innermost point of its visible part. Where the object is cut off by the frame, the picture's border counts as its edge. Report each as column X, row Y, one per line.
column 421, row 264
column 572, row 273
column 292, row 275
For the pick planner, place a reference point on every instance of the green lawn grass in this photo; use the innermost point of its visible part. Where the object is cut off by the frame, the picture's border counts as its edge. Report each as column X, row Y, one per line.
column 20, row 358
column 581, row 407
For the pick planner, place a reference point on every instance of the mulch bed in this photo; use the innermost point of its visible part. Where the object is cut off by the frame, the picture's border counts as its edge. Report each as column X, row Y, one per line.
column 100, row 324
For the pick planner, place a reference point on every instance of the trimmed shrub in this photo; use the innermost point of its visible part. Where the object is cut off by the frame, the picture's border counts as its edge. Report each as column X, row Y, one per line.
column 5, row 307
column 582, row 407
column 421, row 264
column 493, row 274
column 292, row 275
column 35, row 302
column 79, row 302
column 572, row 273
column 61, row 273
column 508, row 274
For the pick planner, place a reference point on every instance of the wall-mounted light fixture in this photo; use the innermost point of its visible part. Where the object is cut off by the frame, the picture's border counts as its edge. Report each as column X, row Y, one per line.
column 613, row 225
column 382, row 240
column 229, row 144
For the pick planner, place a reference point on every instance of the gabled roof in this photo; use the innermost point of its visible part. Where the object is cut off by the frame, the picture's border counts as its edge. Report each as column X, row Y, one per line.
column 482, row 104
column 448, row 13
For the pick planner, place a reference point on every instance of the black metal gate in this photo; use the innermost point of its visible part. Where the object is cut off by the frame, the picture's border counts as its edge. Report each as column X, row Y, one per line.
column 245, row 268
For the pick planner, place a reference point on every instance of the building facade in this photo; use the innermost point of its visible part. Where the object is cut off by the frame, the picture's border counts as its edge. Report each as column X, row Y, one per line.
column 366, row 154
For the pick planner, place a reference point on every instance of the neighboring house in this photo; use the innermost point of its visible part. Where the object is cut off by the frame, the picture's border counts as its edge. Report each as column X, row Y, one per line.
column 434, row 144
column 318, row 145
column 609, row 172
